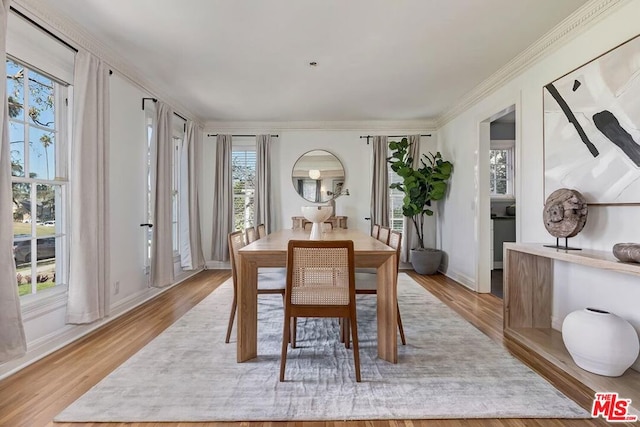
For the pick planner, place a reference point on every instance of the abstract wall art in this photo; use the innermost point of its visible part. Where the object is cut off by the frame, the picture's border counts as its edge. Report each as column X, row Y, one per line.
column 592, row 128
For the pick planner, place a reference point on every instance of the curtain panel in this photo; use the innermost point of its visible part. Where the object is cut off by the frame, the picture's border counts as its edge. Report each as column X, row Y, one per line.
column 223, row 199
column 88, row 296
column 12, row 338
column 162, row 240
column 380, row 182
column 191, row 254
column 264, row 209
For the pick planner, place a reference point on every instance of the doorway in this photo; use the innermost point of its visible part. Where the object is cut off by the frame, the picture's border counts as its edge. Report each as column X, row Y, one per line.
column 496, row 216
column 502, row 151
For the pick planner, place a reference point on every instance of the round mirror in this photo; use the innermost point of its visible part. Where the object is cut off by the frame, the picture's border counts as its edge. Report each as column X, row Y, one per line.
column 318, row 176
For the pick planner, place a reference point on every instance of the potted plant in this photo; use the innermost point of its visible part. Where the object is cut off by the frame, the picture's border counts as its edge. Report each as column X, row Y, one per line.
column 421, row 186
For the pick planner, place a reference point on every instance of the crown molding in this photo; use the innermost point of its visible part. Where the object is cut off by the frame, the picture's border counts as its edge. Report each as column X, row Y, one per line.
column 361, row 125
column 566, row 30
column 47, row 16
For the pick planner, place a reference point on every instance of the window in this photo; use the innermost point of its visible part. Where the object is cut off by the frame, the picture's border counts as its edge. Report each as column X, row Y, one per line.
column 501, row 171
column 37, row 136
column 243, row 169
column 395, row 201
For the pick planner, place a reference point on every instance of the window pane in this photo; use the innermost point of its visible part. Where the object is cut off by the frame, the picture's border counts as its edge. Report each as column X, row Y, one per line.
column 41, row 154
column 244, row 176
column 41, row 100
column 15, row 97
column 21, row 209
column 46, row 209
column 16, row 144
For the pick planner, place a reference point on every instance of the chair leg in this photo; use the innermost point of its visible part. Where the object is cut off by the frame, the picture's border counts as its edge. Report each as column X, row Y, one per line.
column 285, row 343
column 356, row 351
column 232, row 316
column 400, row 328
column 294, row 331
column 345, row 337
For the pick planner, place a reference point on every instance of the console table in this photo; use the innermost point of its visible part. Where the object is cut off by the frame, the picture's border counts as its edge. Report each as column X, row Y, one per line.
column 528, row 293
column 298, row 222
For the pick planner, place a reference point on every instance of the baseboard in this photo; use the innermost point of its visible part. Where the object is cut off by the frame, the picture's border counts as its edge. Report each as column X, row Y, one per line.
column 54, row 341
column 217, row 265
column 461, row 278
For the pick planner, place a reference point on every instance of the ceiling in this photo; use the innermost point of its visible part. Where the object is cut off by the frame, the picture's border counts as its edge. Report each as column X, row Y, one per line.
column 243, row 61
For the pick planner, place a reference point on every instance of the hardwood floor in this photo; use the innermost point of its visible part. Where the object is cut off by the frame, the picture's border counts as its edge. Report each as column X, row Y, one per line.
column 33, row 396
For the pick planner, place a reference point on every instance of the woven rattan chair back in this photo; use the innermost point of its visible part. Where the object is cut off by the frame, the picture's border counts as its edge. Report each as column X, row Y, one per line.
column 320, row 283
column 262, row 231
column 383, row 235
column 375, row 230
column 250, row 234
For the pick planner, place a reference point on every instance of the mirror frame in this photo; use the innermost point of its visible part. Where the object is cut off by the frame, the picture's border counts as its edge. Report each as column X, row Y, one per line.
column 303, row 184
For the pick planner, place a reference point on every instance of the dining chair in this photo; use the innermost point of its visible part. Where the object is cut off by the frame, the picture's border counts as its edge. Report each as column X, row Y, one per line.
column 320, row 283
column 375, row 230
column 251, row 234
column 367, row 283
column 270, row 283
column 262, row 231
column 383, row 234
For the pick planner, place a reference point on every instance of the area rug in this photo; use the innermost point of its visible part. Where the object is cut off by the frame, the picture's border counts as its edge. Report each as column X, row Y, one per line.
column 448, row 369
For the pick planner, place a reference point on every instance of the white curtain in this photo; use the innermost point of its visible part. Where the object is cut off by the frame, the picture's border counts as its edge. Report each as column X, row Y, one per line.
column 223, row 199
column 191, row 256
column 380, row 182
column 408, row 229
column 88, row 297
column 162, row 240
column 263, row 214
column 12, row 338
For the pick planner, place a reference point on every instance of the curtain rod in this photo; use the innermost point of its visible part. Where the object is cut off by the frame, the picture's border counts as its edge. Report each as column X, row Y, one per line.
column 247, row 136
column 156, row 100
column 25, row 17
column 388, row 136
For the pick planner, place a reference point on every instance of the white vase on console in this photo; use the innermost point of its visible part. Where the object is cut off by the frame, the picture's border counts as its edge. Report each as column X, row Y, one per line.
column 600, row 342
column 317, row 215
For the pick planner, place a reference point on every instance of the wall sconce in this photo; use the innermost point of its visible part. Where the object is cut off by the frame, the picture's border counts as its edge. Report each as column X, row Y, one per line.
column 314, row 174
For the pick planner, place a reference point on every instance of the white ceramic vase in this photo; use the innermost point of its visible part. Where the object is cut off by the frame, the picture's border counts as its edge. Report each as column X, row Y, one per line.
column 600, row 342
column 317, row 215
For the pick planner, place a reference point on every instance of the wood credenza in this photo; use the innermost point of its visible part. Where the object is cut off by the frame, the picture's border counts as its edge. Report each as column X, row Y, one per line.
column 528, row 299
column 298, row 222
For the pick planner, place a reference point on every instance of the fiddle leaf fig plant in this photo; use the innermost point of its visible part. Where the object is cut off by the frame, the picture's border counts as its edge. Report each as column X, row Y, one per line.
column 421, row 186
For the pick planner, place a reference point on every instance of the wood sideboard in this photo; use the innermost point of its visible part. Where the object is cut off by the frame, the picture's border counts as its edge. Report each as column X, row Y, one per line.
column 528, row 296
column 298, row 222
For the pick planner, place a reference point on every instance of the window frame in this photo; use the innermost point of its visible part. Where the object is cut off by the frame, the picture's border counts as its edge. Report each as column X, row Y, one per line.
column 59, row 182
column 509, row 147
column 249, row 220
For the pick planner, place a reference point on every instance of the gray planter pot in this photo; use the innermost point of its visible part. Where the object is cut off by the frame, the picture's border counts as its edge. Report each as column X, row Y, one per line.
column 426, row 261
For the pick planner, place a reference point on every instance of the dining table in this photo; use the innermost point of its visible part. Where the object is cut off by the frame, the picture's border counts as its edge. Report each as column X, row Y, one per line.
column 271, row 251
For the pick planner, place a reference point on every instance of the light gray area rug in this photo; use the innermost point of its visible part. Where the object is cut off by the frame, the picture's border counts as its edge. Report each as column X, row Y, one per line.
column 448, row 369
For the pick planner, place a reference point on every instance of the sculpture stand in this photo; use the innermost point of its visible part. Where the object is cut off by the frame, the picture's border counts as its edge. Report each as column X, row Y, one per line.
column 565, row 247
column 316, row 231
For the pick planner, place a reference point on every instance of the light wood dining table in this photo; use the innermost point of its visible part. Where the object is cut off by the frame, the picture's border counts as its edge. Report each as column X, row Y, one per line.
column 271, row 251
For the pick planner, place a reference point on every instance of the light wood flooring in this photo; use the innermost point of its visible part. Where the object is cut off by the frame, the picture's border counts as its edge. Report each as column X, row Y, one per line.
column 34, row 395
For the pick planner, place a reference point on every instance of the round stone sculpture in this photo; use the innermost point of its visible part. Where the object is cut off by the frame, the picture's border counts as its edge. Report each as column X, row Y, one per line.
column 627, row 252
column 600, row 342
column 565, row 213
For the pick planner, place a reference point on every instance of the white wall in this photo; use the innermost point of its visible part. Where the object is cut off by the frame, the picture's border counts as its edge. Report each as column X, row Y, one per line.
column 128, row 156
column 576, row 286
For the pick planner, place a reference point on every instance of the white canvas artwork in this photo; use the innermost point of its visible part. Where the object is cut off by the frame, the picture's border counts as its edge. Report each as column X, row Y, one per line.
column 592, row 128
